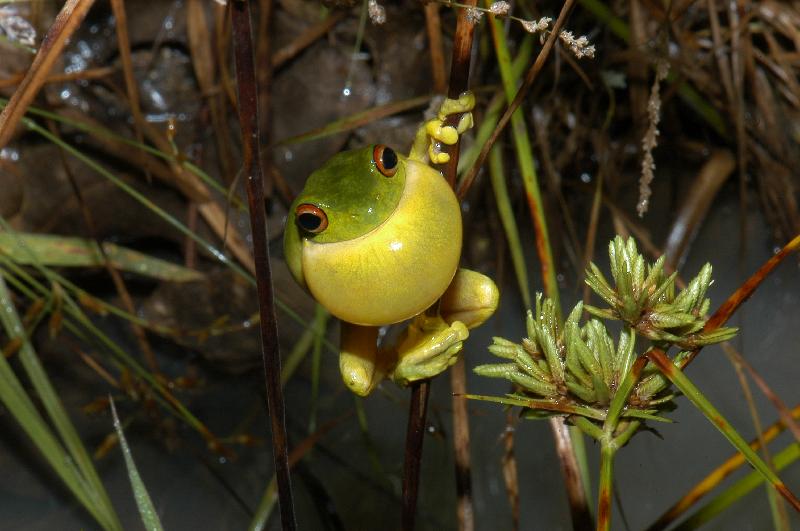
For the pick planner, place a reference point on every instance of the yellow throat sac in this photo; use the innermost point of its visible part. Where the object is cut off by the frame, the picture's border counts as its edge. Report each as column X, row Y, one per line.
column 400, row 268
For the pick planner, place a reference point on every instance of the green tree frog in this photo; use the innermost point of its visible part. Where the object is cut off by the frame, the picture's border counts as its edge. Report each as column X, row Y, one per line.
column 375, row 237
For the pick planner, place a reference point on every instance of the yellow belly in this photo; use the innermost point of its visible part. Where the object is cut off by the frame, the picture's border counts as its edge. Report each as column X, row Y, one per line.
column 398, row 269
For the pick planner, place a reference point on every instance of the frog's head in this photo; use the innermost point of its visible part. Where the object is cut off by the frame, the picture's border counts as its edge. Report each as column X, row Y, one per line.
column 351, row 195
column 373, row 236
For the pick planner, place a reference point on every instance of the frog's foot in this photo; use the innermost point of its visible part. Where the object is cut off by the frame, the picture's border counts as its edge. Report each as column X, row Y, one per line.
column 440, row 133
column 429, row 348
column 360, row 362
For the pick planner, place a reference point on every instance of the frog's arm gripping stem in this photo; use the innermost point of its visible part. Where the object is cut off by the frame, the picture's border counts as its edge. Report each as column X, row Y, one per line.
column 433, row 133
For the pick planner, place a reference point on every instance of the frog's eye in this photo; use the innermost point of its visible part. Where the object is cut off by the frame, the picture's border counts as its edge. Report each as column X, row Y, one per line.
column 385, row 159
column 311, row 218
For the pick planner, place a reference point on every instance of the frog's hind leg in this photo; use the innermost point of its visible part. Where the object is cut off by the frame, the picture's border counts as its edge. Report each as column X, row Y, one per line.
column 471, row 298
column 360, row 362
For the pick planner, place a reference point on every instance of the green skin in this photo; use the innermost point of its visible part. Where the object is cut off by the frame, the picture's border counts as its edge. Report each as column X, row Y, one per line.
column 357, row 198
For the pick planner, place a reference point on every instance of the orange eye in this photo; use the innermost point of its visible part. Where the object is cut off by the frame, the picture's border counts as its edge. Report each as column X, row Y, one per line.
column 311, row 218
column 385, row 160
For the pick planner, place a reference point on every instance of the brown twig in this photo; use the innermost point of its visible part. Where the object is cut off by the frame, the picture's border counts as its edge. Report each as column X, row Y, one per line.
column 530, row 77
column 306, row 39
column 727, row 309
column 116, row 277
column 89, row 73
column 715, row 477
column 434, row 28
column 509, row 463
column 124, row 45
column 65, row 24
column 251, row 169
column 415, row 436
column 459, row 82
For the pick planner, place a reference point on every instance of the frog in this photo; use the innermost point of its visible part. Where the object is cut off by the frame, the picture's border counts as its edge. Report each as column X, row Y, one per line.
column 375, row 237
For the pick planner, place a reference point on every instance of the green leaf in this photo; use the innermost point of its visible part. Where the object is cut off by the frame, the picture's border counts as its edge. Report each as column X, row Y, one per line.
column 532, row 384
column 495, row 370
column 147, row 511
column 62, row 251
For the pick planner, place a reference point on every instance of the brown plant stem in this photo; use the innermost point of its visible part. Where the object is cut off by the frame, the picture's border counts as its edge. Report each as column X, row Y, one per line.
column 131, row 87
column 530, row 77
column 726, row 310
column 459, row 82
column 415, row 433
column 715, row 477
column 251, row 170
column 65, row 24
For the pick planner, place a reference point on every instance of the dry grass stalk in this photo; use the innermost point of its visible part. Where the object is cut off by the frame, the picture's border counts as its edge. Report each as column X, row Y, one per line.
column 65, row 24
column 650, row 140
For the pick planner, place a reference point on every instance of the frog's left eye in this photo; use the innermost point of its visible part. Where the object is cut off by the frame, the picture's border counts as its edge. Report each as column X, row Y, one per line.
column 385, row 160
column 311, row 218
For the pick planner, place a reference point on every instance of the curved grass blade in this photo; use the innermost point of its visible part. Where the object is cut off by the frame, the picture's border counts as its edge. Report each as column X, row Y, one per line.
column 63, row 251
column 497, row 176
column 715, row 477
column 147, row 511
column 73, row 465
column 677, row 377
column 354, row 121
column 211, row 249
column 739, row 490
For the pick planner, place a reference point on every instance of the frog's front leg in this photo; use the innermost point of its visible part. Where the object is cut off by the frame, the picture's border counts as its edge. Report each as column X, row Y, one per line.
column 432, row 343
column 433, row 133
column 361, row 363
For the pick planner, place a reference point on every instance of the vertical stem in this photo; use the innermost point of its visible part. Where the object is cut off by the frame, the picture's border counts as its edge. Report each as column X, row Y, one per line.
column 417, row 414
column 458, row 385
column 459, row 77
column 459, row 82
column 579, row 507
column 251, row 169
column 607, row 451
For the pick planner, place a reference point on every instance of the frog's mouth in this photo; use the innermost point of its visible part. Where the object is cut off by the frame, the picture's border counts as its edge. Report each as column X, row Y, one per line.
column 399, row 268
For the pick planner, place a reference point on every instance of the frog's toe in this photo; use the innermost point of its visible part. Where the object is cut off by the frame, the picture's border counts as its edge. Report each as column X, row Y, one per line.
column 464, row 103
column 431, row 354
column 465, row 122
column 357, row 379
column 447, row 134
column 436, row 155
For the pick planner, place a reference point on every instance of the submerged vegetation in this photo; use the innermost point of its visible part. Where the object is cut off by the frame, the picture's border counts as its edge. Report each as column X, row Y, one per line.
column 136, row 135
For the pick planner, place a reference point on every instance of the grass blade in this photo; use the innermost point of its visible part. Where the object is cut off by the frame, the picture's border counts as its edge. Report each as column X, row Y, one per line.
column 63, row 251
column 73, row 466
column 697, row 398
column 147, row 511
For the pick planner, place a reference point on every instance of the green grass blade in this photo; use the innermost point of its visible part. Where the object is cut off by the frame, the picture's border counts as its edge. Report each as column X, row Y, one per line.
column 497, row 176
column 354, row 121
column 147, row 511
column 73, row 466
column 738, row 490
column 265, row 506
column 527, row 167
column 147, row 203
column 103, row 133
column 321, row 317
column 74, row 312
column 62, row 251
column 677, row 377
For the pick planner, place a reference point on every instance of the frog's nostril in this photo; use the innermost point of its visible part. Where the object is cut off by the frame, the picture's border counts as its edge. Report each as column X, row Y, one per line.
column 311, row 218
